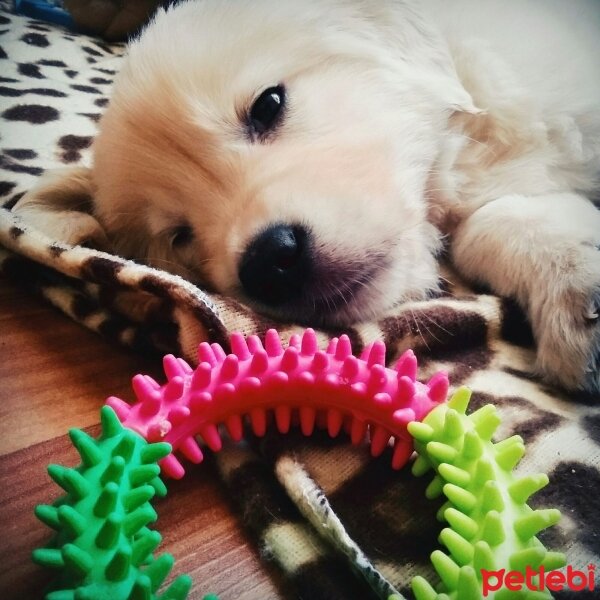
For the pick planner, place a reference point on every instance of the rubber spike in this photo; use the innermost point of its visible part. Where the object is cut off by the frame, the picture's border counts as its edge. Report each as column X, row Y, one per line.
column 420, row 466
column 70, row 480
column 486, row 421
column 108, row 536
column 403, row 449
column 460, row 549
column 492, row 497
column 219, row 353
column 446, row 568
column 138, row 518
column 554, row 560
column 259, row 363
column 172, row 467
column 111, row 425
column 438, row 387
column 335, row 420
column 126, row 446
column 308, row 416
column 290, row 360
column 453, row 425
column 461, row 523
column 472, row 446
column 174, row 389
column 421, row 431
column 230, row 368
column 107, row 500
column 138, row 496
column 377, row 379
column 406, row 390
column 118, row 567
column 171, row 367
column 206, row 354
column 158, row 570
column 190, row 449
column 210, row 434
column 421, row 589
column 380, row 437
column 254, row 344
column 143, row 546
column 202, row 376
column 258, row 419
column 442, row 452
column 121, row 408
column 493, row 529
column 142, row 589
column 454, row 475
column 530, row 525
column 358, row 430
column 295, row 341
column 239, row 347
column 510, row 457
column 376, row 354
column 344, row 347
column 468, row 587
column 332, row 346
column 86, row 446
column 406, row 366
column 404, row 416
column 273, row 343
column 76, row 560
column 48, row 515
column 435, row 488
column 48, row 557
column 463, row 499
column 179, row 589
column 484, row 472
column 71, row 520
column 350, row 368
column 152, row 452
column 460, row 400
column 320, row 362
column 309, row 343
column 114, row 470
column 235, row 427
column 483, row 557
column 531, row 557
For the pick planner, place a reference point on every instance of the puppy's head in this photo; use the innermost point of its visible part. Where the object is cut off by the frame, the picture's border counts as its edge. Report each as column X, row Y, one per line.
column 278, row 151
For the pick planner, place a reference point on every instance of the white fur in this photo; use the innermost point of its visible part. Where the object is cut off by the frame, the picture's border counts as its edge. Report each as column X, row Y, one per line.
column 406, row 121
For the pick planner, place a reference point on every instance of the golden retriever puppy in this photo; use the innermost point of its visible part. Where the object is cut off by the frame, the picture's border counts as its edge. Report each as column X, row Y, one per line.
column 310, row 158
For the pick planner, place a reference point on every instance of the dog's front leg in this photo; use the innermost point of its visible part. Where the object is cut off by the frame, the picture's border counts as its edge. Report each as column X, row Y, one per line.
column 544, row 251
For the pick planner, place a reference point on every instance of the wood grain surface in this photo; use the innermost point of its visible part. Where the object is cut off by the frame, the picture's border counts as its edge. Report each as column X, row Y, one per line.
column 55, row 375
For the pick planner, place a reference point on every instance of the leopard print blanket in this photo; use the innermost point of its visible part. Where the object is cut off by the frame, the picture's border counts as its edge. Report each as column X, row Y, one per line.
column 338, row 523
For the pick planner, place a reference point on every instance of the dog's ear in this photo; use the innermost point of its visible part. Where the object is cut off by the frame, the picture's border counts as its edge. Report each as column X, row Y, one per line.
column 61, row 206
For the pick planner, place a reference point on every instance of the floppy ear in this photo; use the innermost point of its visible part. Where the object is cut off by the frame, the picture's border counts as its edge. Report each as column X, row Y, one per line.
column 61, row 206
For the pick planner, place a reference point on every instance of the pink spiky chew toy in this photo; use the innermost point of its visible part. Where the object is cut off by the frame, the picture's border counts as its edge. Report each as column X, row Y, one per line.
column 331, row 386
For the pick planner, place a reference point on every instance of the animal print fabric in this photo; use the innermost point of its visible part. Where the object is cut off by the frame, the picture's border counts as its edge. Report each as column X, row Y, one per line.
column 339, row 524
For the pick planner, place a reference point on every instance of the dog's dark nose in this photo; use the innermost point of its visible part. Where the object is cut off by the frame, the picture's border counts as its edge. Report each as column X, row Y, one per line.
column 276, row 264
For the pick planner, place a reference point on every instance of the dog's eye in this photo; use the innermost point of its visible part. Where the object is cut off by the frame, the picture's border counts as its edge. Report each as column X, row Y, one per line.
column 267, row 110
column 181, row 236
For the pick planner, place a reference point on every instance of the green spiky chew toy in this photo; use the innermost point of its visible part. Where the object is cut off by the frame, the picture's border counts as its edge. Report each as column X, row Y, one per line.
column 102, row 548
column 490, row 525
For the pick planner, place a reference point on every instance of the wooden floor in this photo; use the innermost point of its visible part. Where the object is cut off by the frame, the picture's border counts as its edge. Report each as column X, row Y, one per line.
column 55, row 375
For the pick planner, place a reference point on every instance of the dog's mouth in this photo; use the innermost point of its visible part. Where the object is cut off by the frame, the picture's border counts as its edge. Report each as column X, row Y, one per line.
column 336, row 293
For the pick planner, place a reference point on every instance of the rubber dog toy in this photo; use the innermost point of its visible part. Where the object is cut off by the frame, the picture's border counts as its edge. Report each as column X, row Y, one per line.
column 332, row 386
column 490, row 525
column 102, row 548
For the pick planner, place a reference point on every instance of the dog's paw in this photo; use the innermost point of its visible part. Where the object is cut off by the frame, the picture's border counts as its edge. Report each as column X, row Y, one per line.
column 569, row 329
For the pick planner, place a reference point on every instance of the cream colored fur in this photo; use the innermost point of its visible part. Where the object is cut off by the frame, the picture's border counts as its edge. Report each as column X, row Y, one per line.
column 473, row 121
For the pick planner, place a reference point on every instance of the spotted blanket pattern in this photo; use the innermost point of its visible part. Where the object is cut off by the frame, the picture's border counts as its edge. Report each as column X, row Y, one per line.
column 338, row 523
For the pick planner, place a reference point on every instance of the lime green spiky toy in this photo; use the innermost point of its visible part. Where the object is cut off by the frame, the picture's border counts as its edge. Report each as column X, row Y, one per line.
column 490, row 525
column 102, row 549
